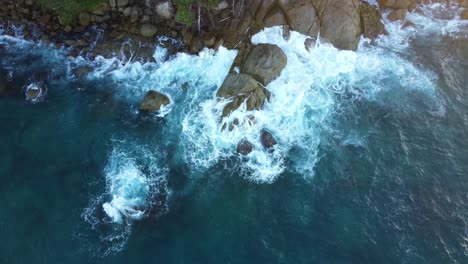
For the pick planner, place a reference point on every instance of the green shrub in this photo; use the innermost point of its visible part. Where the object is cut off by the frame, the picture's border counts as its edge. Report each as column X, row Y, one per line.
column 184, row 9
column 67, row 10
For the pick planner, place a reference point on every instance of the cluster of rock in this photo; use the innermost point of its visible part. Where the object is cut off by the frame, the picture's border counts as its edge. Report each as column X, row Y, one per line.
column 400, row 8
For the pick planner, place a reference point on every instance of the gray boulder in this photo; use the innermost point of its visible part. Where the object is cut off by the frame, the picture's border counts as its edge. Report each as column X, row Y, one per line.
column 165, row 10
column 148, row 30
column 265, row 62
column 153, row 101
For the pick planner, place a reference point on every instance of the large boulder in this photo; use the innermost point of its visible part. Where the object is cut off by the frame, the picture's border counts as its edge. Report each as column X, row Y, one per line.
column 302, row 16
column 341, row 23
column 153, row 101
column 148, row 30
column 265, row 62
column 240, row 88
column 165, row 9
column 371, row 20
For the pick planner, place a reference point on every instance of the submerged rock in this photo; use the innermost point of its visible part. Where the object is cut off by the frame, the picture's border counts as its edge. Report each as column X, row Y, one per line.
column 35, row 92
column 153, row 101
column 244, row 147
column 267, row 139
column 265, row 62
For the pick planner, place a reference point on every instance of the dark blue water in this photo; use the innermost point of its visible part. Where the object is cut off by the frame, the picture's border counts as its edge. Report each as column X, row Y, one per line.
column 389, row 181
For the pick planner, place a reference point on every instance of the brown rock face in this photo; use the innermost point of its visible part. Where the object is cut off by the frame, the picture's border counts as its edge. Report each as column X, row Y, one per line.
column 341, row 23
column 153, row 101
column 302, row 16
column 399, row 14
column 265, row 62
column 371, row 21
column 239, row 88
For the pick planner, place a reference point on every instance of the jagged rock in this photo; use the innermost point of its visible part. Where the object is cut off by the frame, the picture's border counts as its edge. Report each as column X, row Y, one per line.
column 371, row 20
column 239, row 88
column 83, row 18
column 267, row 139
column 309, row 43
column 244, row 147
column 122, row 3
column 265, row 62
column 153, row 101
column 165, row 10
column 399, row 14
column 341, row 23
column 148, row 30
column 286, row 32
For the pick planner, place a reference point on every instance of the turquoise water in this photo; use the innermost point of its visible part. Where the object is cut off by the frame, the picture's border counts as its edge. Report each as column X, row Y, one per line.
column 370, row 167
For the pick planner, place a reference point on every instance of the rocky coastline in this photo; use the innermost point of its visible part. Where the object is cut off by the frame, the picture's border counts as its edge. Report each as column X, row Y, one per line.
column 103, row 30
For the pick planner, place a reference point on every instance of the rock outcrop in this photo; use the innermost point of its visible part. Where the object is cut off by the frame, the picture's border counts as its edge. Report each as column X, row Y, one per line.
column 267, row 139
column 239, row 88
column 244, row 147
column 265, row 62
column 153, row 101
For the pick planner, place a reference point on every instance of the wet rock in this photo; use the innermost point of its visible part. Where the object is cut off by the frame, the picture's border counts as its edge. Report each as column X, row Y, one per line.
column 265, row 62
column 399, row 14
column 341, row 23
column 286, row 32
column 309, row 43
column 244, row 147
column 242, row 88
column 153, row 101
column 165, row 10
column 35, row 92
column 267, row 139
column 208, row 39
column 148, row 30
column 196, row 45
column 408, row 24
column 463, row 3
column 82, row 71
column 371, row 20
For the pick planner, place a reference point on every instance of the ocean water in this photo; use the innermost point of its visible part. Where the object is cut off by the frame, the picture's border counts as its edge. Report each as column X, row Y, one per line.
column 371, row 164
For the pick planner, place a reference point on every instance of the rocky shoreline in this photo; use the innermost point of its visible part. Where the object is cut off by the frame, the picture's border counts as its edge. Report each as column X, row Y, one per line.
column 103, row 30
